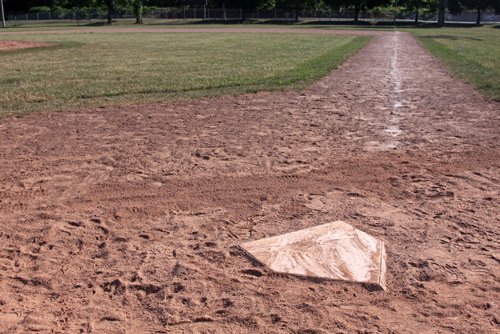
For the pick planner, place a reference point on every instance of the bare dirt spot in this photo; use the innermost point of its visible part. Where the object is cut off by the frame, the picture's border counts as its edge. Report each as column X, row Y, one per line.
column 128, row 219
column 6, row 45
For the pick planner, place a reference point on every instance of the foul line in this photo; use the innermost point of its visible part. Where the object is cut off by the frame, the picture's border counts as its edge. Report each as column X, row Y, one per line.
column 393, row 129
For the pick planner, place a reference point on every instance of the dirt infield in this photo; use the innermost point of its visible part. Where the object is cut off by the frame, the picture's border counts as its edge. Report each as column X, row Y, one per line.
column 128, row 219
column 6, row 45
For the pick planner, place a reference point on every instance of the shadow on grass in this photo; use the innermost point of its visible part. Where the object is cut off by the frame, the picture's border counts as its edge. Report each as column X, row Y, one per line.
column 343, row 22
column 205, row 22
column 453, row 38
column 96, row 24
column 390, row 24
column 350, row 22
column 384, row 24
column 247, row 22
column 447, row 25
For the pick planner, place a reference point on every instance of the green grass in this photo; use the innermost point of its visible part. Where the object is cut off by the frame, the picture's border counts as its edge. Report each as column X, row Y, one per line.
column 472, row 54
column 173, row 24
column 385, row 25
column 103, row 69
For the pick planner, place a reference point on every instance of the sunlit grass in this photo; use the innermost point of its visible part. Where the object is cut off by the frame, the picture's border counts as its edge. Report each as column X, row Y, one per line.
column 472, row 54
column 193, row 24
column 102, row 69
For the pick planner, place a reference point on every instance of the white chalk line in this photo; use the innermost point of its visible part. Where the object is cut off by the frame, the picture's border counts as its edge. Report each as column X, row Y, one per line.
column 393, row 129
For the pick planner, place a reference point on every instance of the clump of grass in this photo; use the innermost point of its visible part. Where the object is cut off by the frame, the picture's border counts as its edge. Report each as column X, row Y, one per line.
column 472, row 54
column 102, row 69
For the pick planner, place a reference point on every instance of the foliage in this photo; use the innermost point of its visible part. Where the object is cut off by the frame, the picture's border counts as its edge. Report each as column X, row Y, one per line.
column 111, row 6
column 454, row 7
column 478, row 5
column 417, row 6
column 358, row 5
column 138, row 9
column 39, row 9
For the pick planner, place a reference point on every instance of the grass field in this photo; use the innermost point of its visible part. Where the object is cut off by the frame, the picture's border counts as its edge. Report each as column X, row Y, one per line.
column 172, row 24
column 101, row 69
column 472, row 54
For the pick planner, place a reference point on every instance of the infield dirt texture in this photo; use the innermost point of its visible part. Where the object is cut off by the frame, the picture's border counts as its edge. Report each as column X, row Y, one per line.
column 127, row 219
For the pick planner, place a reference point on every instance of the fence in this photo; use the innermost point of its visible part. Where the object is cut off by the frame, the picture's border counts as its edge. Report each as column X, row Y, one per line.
column 171, row 13
column 237, row 14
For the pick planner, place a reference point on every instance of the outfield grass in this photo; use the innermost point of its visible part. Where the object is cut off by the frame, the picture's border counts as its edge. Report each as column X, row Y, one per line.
column 472, row 54
column 186, row 24
column 103, row 69
column 170, row 25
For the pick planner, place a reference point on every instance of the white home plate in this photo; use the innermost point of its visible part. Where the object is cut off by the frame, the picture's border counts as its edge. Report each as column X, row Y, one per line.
column 333, row 251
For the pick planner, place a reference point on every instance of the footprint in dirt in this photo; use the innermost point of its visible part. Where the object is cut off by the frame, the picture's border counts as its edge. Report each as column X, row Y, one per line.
column 101, row 235
column 101, row 227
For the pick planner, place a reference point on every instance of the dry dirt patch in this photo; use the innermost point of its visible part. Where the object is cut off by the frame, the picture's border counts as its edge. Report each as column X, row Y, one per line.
column 6, row 45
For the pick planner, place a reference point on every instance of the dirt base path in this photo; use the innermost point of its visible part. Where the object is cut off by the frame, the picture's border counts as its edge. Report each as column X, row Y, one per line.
column 127, row 219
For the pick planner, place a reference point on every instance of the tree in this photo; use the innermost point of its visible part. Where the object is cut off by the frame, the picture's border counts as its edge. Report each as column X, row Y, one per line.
column 2, row 13
column 297, row 5
column 417, row 5
column 441, row 12
column 111, row 4
column 358, row 5
column 245, row 5
column 456, row 6
column 478, row 5
column 138, row 7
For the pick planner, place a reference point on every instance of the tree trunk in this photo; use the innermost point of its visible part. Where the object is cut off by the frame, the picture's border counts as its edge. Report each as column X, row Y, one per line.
column 442, row 12
column 110, row 12
column 138, row 8
column 2, row 13
column 356, row 13
column 478, row 20
column 416, row 14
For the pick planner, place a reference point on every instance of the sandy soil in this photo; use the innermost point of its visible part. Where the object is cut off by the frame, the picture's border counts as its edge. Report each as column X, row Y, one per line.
column 6, row 45
column 128, row 219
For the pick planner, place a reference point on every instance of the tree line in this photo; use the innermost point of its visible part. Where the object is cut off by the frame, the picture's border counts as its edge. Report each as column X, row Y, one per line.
column 417, row 6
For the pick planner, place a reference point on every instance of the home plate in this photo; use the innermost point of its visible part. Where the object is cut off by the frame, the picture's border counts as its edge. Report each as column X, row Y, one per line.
column 335, row 251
